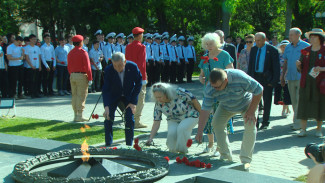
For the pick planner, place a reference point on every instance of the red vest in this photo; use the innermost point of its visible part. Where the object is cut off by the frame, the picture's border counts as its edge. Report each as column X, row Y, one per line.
column 320, row 61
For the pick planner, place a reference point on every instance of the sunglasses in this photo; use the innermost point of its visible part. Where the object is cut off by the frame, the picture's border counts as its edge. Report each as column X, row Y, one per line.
column 156, row 86
column 249, row 42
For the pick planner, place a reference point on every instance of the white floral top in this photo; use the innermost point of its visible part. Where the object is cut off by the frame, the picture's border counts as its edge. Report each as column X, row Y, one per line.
column 178, row 109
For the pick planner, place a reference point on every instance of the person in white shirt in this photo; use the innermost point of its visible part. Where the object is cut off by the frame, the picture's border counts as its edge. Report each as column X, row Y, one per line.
column 150, row 60
column 181, row 50
column 15, row 56
column 108, row 50
column 191, row 57
column 158, row 59
column 48, row 66
column 25, row 82
column 3, row 73
column 166, row 56
column 119, row 47
column 96, row 57
column 61, row 53
column 33, row 59
column 174, row 59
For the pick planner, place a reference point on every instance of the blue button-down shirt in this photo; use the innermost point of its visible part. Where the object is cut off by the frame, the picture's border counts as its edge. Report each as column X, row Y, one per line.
column 262, row 59
column 292, row 54
column 62, row 54
column 238, row 94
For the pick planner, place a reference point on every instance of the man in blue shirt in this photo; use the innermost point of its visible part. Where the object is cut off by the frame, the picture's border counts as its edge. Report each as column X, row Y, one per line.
column 61, row 53
column 264, row 66
column 237, row 93
column 291, row 55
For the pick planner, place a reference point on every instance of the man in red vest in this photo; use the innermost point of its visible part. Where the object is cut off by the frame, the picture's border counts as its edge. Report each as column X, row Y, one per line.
column 136, row 52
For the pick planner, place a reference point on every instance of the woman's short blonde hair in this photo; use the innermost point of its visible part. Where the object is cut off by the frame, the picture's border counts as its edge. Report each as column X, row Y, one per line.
column 214, row 37
column 167, row 89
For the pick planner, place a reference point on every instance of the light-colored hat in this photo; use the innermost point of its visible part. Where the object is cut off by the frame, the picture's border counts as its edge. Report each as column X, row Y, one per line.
column 98, row 32
column 165, row 37
column 149, row 36
column 173, row 38
column 130, row 36
column 181, row 38
column 317, row 31
column 157, row 37
column 111, row 35
column 284, row 42
column 191, row 38
column 120, row 35
column 165, row 33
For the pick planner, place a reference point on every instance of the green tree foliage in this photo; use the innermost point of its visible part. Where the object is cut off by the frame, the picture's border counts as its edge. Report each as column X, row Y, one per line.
column 9, row 17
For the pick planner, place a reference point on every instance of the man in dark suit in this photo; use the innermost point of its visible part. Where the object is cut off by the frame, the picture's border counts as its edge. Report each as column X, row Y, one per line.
column 230, row 48
column 239, row 45
column 122, row 85
column 264, row 66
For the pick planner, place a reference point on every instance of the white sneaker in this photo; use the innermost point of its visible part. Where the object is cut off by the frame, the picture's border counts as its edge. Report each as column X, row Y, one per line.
column 302, row 133
column 318, row 133
column 216, row 154
column 207, row 149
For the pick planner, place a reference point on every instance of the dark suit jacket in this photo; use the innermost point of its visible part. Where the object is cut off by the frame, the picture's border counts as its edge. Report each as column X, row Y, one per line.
column 231, row 49
column 113, row 90
column 271, row 65
column 240, row 47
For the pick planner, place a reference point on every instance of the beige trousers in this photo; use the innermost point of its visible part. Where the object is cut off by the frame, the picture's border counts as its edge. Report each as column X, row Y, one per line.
column 179, row 133
column 219, row 123
column 79, row 90
column 140, row 104
column 294, row 86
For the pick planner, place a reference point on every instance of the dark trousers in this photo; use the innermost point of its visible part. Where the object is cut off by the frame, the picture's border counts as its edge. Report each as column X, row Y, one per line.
column 173, row 72
column 62, row 77
column 15, row 74
column 26, row 82
column 158, row 71
column 282, row 94
column 189, row 69
column 129, row 124
column 47, row 78
column 104, row 65
column 32, row 82
column 181, row 70
column 166, row 71
column 97, row 74
column 267, row 97
column 4, row 83
column 151, row 72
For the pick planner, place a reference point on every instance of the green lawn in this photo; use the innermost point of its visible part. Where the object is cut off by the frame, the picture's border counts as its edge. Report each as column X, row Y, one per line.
column 56, row 130
column 302, row 178
column 196, row 73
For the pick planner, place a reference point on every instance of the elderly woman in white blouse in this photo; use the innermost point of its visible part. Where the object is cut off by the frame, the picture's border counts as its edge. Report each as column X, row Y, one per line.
column 182, row 111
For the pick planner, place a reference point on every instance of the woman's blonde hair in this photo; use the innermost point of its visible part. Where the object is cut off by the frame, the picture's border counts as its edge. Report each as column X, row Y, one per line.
column 214, row 37
column 165, row 88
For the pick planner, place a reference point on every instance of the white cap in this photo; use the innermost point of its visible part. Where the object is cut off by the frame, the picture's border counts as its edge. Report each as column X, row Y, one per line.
column 181, row 38
column 173, row 38
column 130, row 36
column 110, row 35
column 120, row 35
column 191, row 38
column 98, row 32
column 165, row 33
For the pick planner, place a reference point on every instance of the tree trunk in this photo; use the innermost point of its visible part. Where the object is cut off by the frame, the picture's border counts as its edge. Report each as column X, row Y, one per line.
column 225, row 20
column 288, row 18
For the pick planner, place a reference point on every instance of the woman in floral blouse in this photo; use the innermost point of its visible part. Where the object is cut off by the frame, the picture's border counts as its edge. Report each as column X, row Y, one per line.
column 215, row 58
column 243, row 59
column 182, row 111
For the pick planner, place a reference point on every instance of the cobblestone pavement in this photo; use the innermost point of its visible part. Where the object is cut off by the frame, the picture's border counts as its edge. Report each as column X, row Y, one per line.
column 278, row 151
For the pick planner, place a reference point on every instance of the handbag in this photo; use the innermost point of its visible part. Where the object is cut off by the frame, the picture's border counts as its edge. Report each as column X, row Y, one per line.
column 322, row 87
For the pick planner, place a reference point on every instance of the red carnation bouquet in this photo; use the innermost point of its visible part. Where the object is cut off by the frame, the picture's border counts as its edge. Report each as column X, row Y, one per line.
column 304, row 52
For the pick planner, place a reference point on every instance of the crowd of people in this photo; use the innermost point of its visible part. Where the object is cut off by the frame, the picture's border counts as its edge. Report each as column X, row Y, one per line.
column 294, row 70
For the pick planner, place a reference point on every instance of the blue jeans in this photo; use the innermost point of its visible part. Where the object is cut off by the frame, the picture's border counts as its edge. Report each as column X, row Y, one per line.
column 62, row 77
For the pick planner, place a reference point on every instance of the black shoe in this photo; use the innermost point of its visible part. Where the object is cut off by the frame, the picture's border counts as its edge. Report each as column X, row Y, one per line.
column 263, row 127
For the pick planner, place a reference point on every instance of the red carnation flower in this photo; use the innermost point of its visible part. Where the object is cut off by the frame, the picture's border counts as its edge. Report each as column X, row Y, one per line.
column 215, row 59
column 203, row 165
column 209, row 165
column 114, row 148
column 189, row 143
column 62, row 63
column 136, row 141
column 184, row 159
column 187, row 162
column 281, row 103
column 52, row 58
column 166, row 158
column 137, row 147
column 96, row 116
column 192, row 163
column 205, row 58
column 198, row 163
column 178, row 160
column 93, row 116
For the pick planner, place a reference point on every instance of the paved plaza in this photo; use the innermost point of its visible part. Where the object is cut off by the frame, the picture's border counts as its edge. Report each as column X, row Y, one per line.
column 278, row 151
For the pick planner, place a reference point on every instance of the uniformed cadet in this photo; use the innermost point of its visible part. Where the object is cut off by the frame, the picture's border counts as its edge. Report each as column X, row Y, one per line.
column 150, row 61
column 191, row 57
column 61, row 53
column 166, row 64
column 85, row 46
column 145, row 39
column 174, row 59
column 100, row 38
column 130, row 38
column 158, row 58
column 182, row 59
column 68, row 38
column 119, row 47
column 96, row 57
column 108, row 49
